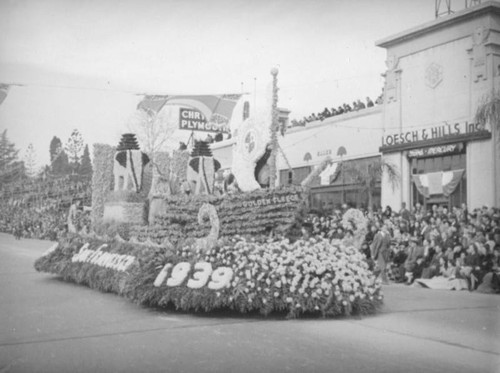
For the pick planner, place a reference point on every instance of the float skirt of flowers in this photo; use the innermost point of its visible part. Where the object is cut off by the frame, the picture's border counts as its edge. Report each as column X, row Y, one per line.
column 306, row 277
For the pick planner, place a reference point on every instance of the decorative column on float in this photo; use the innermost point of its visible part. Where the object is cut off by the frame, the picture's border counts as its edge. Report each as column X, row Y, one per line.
column 274, row 128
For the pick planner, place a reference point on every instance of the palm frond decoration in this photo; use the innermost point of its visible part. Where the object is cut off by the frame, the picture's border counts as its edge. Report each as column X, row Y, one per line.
column 488, row 111
column 368, row 177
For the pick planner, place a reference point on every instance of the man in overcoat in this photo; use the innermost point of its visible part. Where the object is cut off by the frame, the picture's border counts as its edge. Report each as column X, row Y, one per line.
column 380, row 250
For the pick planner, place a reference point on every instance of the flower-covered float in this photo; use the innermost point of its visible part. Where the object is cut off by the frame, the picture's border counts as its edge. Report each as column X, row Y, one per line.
column 205, row 249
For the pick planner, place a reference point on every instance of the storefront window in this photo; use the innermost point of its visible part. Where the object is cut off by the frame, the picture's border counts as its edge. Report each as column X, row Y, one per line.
column 287, row 177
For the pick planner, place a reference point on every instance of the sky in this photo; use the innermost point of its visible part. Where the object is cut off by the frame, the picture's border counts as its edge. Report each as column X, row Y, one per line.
column 84, row 64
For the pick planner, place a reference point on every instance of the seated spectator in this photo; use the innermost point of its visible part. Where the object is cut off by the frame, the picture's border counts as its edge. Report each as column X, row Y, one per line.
column 369, row 102
column 338, row 234
column 326, row 113
column 396, row 268
column 491, row 280
column 416, row 272
column 446, row 279
column 471, row 267
column 432, row 266
column 428, row 252
column 388, row 211
column 414, row 252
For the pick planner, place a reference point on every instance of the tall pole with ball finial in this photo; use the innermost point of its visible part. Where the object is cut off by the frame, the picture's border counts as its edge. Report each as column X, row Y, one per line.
column 274, row 128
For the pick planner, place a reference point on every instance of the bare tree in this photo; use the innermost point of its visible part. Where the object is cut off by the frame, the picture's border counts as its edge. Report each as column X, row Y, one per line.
column 154, row 132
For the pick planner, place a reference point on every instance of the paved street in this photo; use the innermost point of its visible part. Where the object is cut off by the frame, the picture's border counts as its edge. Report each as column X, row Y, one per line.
column 47, row 325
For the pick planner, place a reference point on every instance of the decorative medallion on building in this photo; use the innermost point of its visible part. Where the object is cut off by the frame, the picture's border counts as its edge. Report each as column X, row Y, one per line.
column 480, row 35
column 479, row 39
column 433, row 75
column 391, row 78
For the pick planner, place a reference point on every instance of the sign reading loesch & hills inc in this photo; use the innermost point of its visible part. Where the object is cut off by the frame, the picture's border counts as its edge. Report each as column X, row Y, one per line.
column 437, row 135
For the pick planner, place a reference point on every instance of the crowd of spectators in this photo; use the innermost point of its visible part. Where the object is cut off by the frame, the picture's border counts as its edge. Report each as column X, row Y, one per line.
column 39, row 208
column 344, row 108
column 435, row 248
column 27, row 190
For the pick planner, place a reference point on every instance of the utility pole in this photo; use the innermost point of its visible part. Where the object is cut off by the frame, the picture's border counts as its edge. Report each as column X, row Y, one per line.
column 274, row 128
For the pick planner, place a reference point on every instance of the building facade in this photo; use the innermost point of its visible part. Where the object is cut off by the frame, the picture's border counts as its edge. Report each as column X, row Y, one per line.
column 437, row 76
column 347, row 140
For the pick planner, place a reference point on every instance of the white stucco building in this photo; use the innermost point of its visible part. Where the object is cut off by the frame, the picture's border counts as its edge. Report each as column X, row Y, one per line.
column 437, row 75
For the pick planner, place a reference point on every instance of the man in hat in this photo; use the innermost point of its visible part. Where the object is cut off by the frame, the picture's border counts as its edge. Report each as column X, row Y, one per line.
column 380, row 250
column 404, row 212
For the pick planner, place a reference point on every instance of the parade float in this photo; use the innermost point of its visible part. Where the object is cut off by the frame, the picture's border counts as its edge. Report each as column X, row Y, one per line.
column 172, row 239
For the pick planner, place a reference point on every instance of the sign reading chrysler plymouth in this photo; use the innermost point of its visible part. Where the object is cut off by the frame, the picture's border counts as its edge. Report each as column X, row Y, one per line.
column 193, row 120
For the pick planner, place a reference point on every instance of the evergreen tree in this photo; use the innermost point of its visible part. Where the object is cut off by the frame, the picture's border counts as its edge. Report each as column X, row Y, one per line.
column 55, row 148
column 74, row 147
column 60, row 165
column 86, row 164
column 30, row 161
column 11, row 169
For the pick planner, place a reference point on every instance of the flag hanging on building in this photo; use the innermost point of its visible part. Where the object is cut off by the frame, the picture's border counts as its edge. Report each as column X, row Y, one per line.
column 216, row 110
column 435, row 183
column 4, row 90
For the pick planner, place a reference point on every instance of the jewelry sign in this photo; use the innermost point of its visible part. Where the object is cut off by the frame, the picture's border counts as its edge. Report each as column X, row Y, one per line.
column 436, row 150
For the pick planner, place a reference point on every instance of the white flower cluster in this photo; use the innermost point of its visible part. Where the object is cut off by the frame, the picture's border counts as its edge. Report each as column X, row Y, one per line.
column 356, row 221
column 308, row 275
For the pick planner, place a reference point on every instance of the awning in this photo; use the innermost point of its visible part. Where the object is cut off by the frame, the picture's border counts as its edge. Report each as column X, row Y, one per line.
column 330, row 173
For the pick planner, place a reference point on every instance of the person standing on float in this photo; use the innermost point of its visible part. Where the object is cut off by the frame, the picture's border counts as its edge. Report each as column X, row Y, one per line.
column 72, row 216
column 380, row 252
